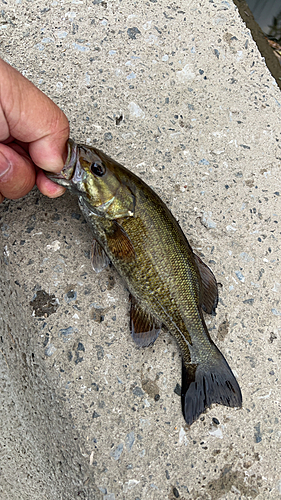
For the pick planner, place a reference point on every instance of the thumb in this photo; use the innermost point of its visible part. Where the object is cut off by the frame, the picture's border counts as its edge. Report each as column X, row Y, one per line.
column 50, row 152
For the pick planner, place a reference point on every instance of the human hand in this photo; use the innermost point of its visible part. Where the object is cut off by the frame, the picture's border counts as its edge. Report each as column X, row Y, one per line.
column 33, row 135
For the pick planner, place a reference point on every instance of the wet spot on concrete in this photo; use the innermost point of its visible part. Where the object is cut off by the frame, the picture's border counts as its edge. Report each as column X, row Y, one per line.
column 151, row 388
column 223, row 329
column 44, row 304
column 227, row 480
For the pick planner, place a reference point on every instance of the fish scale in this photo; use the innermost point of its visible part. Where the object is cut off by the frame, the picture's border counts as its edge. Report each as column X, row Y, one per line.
column 169, row 284
column 179, row 291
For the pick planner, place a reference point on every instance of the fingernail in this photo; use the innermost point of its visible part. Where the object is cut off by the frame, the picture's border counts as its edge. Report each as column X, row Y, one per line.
column 4, row 165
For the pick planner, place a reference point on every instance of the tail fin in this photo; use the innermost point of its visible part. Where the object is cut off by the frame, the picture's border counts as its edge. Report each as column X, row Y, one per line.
column 203, row 385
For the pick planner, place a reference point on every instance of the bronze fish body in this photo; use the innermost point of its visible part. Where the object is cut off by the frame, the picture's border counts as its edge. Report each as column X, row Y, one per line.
column 169, row 285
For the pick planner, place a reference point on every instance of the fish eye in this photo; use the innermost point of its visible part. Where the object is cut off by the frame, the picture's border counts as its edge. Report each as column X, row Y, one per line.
column 98, row 168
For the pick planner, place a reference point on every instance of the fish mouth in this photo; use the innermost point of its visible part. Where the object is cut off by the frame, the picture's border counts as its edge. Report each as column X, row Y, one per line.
column 64, row 177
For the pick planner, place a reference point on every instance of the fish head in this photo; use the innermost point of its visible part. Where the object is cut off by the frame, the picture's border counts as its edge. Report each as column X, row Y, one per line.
column 96, row 180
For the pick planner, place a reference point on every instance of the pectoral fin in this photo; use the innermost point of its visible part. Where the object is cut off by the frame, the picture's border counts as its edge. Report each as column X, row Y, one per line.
column 209, row 292
column 99, row 259
column 119, row 242
column 144, row 328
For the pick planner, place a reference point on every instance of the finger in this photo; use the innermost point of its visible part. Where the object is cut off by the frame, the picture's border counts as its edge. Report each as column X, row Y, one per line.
column 33, row 118
column 47, row 187
column 17, row 172
column 8, row 140
column 23, row 145
column 4, row 127
column 50, row 152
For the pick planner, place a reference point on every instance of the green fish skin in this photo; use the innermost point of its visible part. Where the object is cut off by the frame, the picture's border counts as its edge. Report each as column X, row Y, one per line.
column 168, row 283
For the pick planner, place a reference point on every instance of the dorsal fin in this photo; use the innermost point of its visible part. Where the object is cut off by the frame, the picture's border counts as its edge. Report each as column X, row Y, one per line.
column 209, row 292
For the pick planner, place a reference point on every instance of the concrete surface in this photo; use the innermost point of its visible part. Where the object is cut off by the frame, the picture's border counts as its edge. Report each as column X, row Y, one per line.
column 84, row 413
column 257, row 33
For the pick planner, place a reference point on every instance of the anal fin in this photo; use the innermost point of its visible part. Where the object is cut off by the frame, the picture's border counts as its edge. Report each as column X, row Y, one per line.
column 209, row 291
column 144, row 328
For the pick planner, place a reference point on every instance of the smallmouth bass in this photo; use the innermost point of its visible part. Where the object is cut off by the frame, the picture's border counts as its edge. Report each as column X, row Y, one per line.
column 169, row 285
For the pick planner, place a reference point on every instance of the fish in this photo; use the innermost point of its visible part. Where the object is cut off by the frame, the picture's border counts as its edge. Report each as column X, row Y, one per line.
column 169, row 285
